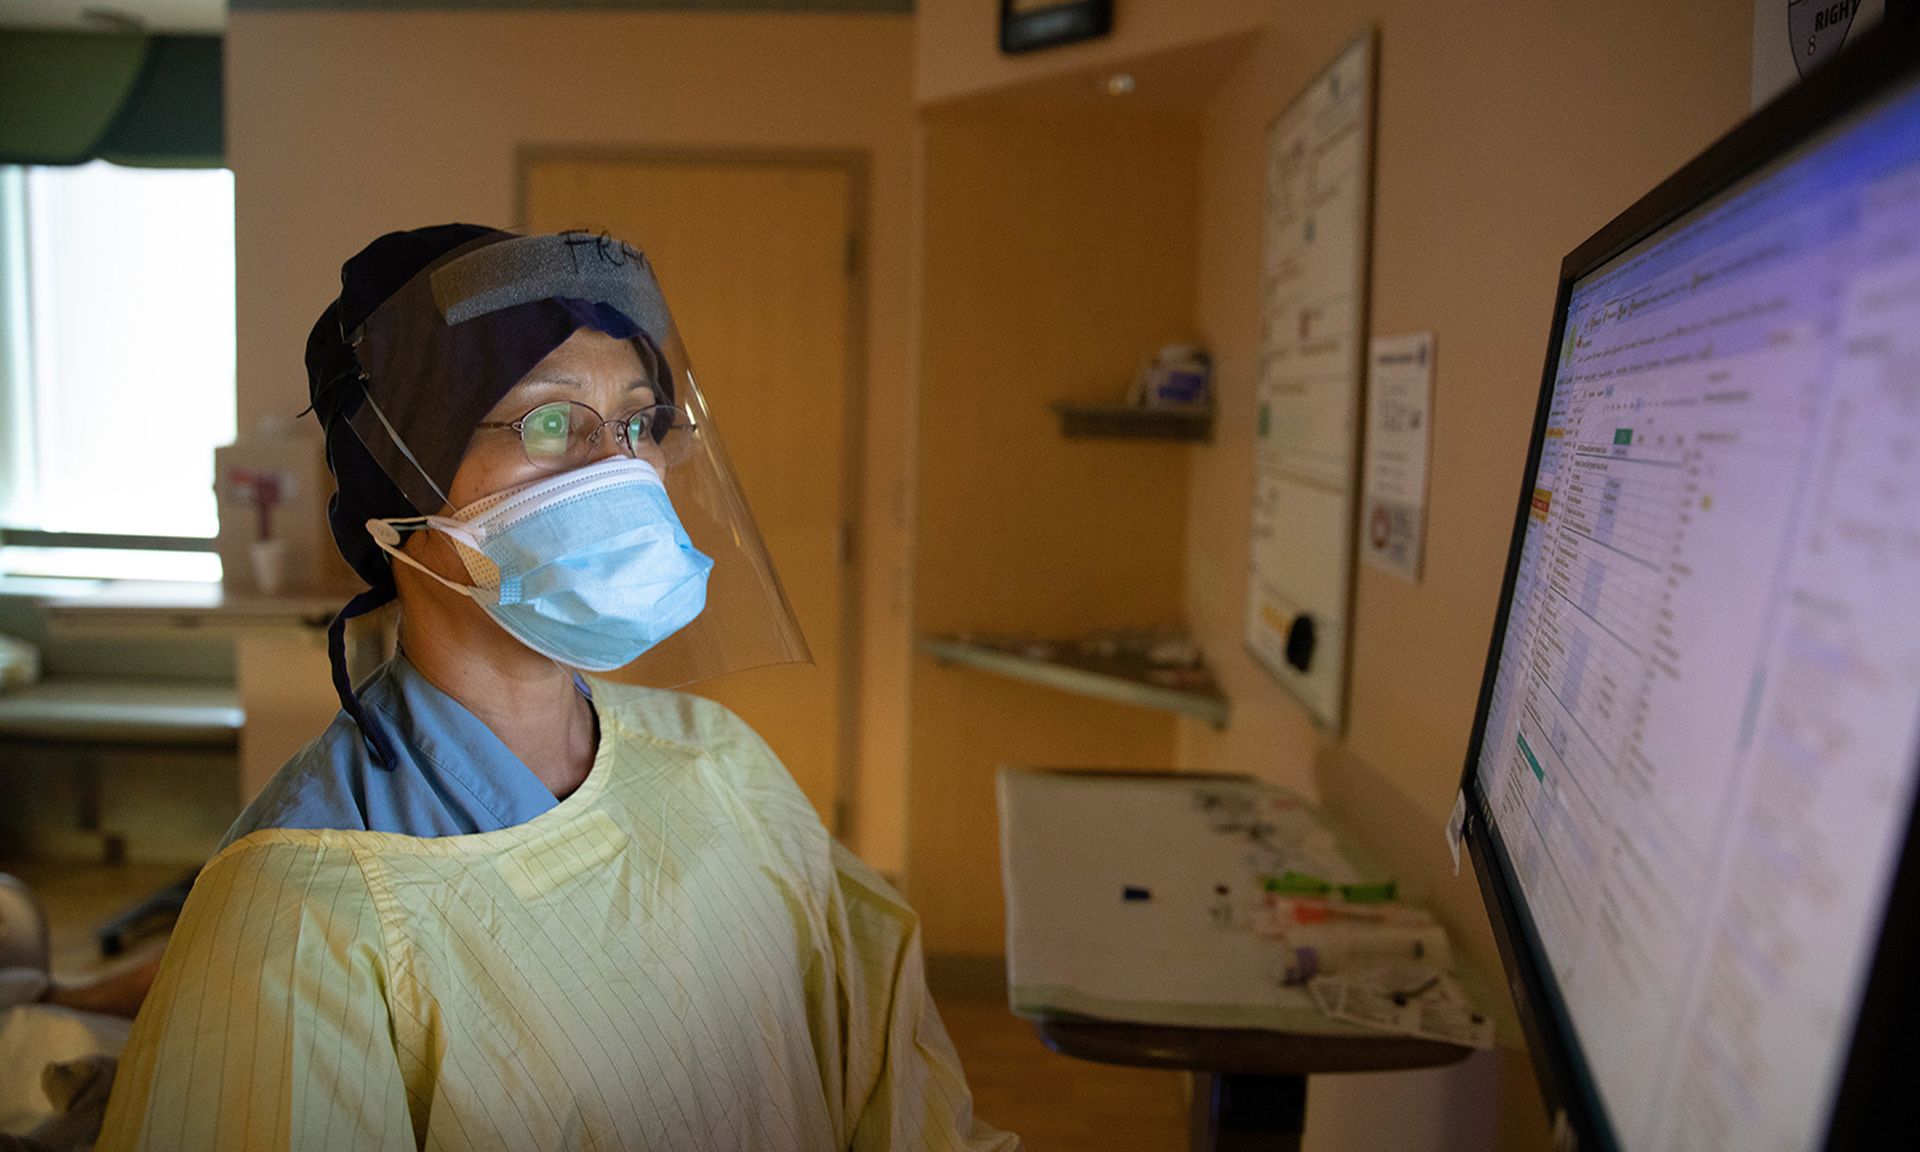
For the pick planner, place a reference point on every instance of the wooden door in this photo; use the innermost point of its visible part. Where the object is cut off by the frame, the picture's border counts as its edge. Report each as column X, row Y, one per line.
column 754, row 261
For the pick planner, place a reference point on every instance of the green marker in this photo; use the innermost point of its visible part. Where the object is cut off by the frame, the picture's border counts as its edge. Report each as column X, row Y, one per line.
column 1378, row 893
column 1307, row 884
column 1296, row 884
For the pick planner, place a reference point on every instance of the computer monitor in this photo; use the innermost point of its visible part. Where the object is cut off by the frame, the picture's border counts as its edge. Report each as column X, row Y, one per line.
column 1690, row 785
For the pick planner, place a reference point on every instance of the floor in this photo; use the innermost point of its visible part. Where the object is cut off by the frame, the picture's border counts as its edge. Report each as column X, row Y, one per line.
column 1055, row 1103
column 79, row 897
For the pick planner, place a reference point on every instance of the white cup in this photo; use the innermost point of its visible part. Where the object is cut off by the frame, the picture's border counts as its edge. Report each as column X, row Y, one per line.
column 269, row 564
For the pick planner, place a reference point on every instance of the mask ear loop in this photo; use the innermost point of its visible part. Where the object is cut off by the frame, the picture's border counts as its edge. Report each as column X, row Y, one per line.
column 386, row 536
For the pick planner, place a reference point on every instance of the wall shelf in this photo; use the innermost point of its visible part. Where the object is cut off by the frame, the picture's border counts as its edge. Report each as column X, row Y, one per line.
column 1125, row 422
column 1059, row 665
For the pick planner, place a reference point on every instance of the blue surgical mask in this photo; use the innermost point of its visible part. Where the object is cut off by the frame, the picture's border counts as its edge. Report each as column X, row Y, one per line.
column 590, row 567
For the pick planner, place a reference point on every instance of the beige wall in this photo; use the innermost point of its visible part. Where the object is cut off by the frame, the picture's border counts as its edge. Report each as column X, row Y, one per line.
column 343, row 126
column 1058, row 250
column 1507, row 133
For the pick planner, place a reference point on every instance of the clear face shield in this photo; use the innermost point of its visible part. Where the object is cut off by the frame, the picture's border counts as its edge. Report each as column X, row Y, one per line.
column 440, row 353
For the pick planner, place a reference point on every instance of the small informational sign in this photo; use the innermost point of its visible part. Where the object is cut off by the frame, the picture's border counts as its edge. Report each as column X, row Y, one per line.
column 1793, row 37
column 1393, row 504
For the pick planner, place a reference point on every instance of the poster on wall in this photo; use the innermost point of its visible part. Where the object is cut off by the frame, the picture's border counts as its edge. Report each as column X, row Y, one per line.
column 1793, row 37
column 1313, row 317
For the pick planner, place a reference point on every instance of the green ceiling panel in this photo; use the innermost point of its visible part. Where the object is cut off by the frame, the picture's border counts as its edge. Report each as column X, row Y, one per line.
column 575, row 5
column 60, row 90
column 71, row 97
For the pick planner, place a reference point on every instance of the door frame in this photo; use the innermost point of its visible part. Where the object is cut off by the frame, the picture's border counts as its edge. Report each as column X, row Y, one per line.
column 856, row 164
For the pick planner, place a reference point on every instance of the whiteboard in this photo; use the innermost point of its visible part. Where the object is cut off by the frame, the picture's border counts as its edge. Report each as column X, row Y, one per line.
column 1313, row 296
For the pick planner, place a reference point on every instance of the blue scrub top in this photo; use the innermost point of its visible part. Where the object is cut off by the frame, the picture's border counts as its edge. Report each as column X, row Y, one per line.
column 453, row 775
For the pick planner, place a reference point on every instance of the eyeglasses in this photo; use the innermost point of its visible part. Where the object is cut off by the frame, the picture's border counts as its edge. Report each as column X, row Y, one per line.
column 565, row 434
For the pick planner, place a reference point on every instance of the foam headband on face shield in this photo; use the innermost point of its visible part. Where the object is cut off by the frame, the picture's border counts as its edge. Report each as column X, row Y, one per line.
column 577, row 265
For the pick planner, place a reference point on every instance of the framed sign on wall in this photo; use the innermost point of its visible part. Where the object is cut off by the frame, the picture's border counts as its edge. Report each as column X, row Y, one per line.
column 1029, row 24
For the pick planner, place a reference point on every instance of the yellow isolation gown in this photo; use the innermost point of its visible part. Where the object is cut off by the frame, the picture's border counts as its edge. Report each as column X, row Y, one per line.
column 676, row 956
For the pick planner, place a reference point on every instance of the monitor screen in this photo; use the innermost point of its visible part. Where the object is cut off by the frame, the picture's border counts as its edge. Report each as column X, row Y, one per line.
column 1697, row 754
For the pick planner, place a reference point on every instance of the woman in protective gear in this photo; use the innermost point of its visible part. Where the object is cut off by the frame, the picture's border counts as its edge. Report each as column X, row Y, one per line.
column 500, row 903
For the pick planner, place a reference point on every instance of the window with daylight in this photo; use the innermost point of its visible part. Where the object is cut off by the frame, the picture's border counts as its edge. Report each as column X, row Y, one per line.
column 117, row 378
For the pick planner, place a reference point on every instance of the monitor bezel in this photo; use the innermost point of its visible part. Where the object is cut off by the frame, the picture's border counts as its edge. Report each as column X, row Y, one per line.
column 1885, row 1037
